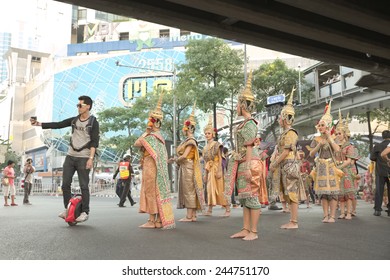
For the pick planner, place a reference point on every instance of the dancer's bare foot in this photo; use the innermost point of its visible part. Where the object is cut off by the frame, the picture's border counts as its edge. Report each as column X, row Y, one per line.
column 194, row 218
column 251, row 236
column 148, row 224
column 331, row 220
column 186, row 219
column 348, row 217
column 326, row 219
column 243, row 233
column 342, row 216
column 286, row 211
column 226, row 214
column 208, row 213
column 290, row 225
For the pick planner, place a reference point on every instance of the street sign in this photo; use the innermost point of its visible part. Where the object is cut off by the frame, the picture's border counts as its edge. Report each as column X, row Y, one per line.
column 276, row 99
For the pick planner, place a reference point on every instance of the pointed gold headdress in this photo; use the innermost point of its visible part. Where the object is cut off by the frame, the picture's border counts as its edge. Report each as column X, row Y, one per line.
column 346, row 126
column 340, row 124
column 288, row 111
column 327, row 117
column 209, row 126
column 247, row 94
column 157, row 112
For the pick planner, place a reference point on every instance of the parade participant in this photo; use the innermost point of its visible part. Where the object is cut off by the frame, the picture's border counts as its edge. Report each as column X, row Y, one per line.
column 190, row 174
column 83, row 145
column 285, row 166
column 244, row 168
column 345, row 157
column 28, row 171
column 155, row 189
column 212, row 154
column 305, row 170
column 326, row 175
column 355, row 174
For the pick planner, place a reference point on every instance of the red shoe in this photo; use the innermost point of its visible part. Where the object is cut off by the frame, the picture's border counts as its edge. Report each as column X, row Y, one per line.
column 14, row 204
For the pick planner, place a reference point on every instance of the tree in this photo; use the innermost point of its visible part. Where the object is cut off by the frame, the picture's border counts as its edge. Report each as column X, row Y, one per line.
column 10, row 155
column 210, row 70
column 273, row 79
column 381, row 116
column 127, row 123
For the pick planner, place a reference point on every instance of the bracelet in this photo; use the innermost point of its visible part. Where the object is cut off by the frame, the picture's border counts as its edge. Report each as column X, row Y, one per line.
column 90, row 157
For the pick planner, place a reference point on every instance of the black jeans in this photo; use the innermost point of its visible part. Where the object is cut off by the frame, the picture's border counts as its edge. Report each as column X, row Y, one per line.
column 380, row 187
column 27, row 191
column 71, row 165
column 126, row 192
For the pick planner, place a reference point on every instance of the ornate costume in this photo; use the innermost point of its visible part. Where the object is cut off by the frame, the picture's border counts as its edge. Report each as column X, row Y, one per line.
column 155, row 189
column 326, row 175
column 190, row 173
column 212, row 155
column 286, row 177
column 247, row 176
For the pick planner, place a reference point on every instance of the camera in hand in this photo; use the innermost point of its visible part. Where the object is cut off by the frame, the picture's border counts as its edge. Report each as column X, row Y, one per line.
column 33, row 120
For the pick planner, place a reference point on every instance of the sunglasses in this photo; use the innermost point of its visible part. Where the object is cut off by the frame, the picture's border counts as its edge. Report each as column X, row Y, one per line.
column 81, row 105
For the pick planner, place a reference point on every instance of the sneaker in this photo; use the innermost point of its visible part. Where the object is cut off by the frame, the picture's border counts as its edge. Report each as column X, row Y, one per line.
column 63, row 214
column 82, row 218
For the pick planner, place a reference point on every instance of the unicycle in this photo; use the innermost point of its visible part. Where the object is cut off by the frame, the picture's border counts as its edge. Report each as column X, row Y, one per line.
column 73, row 210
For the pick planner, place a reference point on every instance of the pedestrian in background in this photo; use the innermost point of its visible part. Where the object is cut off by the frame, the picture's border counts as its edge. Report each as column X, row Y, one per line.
column 382, row 173
column 125, row 171
column 9, row 186
column 28, row 171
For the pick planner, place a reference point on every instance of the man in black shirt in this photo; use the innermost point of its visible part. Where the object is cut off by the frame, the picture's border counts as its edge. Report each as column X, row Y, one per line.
column 83, row 144
column 382, row 173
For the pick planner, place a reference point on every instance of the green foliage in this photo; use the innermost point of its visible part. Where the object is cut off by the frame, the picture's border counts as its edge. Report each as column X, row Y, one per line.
column 10, row 155
column 211, row 69
column 380, row 115
column 273, row 79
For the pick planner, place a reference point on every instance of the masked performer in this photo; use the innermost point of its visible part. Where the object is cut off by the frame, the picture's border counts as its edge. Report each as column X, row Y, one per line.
column 285, row 165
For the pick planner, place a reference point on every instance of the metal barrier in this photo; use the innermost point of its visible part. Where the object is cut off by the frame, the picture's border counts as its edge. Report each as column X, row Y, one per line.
column 102, row 190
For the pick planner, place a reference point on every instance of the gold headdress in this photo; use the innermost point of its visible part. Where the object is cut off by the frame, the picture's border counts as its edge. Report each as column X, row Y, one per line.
column 340, row 124
column 191, row 119
column 247, row 95
column 157, row 112
column 346, row 126
column 288, row 109
column 209, row 126
column 327, row 117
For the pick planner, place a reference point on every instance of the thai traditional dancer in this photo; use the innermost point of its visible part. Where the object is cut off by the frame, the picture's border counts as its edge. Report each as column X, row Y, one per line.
column 155, row 196
column 213, row 177
column 326, row 175
column 245, row 168
column 355, row 175
column 345, row 161
column 285, row 166
column 305, row 169
column 191, row 195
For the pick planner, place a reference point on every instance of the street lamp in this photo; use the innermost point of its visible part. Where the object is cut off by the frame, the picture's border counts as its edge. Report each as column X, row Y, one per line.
column 173, row 73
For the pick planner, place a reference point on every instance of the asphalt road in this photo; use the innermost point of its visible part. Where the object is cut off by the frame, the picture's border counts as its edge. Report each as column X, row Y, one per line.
column 36, row 233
